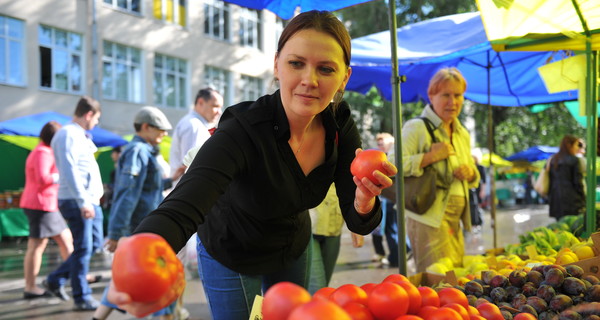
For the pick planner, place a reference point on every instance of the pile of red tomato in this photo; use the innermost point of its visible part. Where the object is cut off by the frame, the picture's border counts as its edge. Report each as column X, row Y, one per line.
column 395, row 298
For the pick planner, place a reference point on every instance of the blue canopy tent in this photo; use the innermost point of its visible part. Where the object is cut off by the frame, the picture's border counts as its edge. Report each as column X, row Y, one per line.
column 18, row 137
column 496, row 78
column 533, row 154
column 32, row 125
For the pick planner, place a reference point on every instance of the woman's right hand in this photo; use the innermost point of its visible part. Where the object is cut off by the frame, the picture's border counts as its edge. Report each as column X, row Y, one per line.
column 440, row 151
column 123, row 301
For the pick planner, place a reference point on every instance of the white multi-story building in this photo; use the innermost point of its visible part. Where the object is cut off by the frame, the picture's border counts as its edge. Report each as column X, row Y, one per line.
column 131, row 53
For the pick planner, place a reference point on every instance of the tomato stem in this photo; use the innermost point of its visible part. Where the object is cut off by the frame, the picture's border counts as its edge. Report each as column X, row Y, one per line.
column 161, row 262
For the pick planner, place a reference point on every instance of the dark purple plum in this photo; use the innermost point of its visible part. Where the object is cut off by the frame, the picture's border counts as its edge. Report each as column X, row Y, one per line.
column 547, row 315
column 560, row 302
column 574, row 270
column 518, row 301
column 573, row 286
column 539, row 304
column 474, row 288
column 554, row 277
column 506, row 314
column 591, row 278
column 499, row 281
column 546, row 292
column 535, row 277
column 593, row 293
column 498, row 294
column 517, row 278
column 511, row 292
column 529, row 289
column 569, row 315
column 528, row 309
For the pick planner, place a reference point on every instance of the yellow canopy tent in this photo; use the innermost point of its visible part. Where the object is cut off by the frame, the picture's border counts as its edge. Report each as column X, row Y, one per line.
column 497, row 160
column 542, row 25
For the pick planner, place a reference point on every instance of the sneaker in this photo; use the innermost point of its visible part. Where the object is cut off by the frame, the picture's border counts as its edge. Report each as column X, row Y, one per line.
column 58, row 291
column 377, row 258
column 385, row 261
column 86, row 305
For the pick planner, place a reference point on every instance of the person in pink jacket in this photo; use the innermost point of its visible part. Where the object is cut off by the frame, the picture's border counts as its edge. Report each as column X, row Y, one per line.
column 39, row 201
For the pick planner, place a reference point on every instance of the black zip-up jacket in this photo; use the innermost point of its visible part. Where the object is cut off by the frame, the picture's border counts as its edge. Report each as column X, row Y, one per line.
column 246, row 195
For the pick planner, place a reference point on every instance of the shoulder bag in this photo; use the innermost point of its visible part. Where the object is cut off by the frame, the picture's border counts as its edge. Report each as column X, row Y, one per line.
column 419, row 192
column 542, row 184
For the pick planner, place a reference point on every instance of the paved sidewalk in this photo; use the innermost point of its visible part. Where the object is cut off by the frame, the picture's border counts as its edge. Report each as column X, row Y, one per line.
column 354, row 266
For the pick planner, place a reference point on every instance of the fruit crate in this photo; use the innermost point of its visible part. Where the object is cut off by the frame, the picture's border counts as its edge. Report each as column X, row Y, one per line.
column 591, row 265
column 431, row 279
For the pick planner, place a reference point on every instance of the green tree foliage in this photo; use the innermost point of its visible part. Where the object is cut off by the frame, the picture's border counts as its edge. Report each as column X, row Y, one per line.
column 517, row 128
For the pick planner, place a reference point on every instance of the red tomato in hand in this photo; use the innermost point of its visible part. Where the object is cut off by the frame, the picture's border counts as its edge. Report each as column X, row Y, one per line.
column 282, row 298
column 317, row 309
column 348, row 293
column 146, row 267
column 366, row 163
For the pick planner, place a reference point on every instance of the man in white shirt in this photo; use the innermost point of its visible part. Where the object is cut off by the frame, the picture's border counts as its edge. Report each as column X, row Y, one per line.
column 193, row 129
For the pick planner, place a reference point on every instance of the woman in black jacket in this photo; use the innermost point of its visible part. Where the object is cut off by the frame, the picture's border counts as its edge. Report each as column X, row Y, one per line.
column 567, row 193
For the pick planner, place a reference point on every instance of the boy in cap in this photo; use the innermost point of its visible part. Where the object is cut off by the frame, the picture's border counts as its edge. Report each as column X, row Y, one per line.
column 139, row 184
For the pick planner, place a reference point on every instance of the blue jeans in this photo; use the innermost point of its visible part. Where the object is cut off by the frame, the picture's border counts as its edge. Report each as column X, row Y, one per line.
column 325, row 251
column 86, row 234
column 230, row 294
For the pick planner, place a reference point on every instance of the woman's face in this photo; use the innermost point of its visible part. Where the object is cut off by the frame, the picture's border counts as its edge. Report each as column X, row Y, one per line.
column 578, row 147
column 310, row 69
column 447, row 102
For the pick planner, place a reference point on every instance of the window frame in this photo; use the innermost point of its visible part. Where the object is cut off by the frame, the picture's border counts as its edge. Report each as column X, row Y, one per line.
column 178, row 18
column 224, row 11
column 9, row 65
column 247, row 18
column 55, row 50
column 132, row 81
column 114, row 4
column 251, row 88
column 181, row 94
column 221, row 80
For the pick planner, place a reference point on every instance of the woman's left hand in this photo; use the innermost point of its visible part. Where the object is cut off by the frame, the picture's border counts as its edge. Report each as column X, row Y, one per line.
column 366, row 190
column 464, row 173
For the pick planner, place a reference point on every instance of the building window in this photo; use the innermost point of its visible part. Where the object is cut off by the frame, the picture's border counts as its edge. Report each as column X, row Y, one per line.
column 278, row 29
column 172, row 11
column 60, row 59
column 216, row 19
column 219, row 80
column 170, row 81
column 251, row 88
column 127, row 5
column 12, row 43
column 122, row 72
column 250, row 28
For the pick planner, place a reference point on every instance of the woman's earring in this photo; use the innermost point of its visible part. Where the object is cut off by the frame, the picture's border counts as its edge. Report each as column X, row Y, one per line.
column 339, row 95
